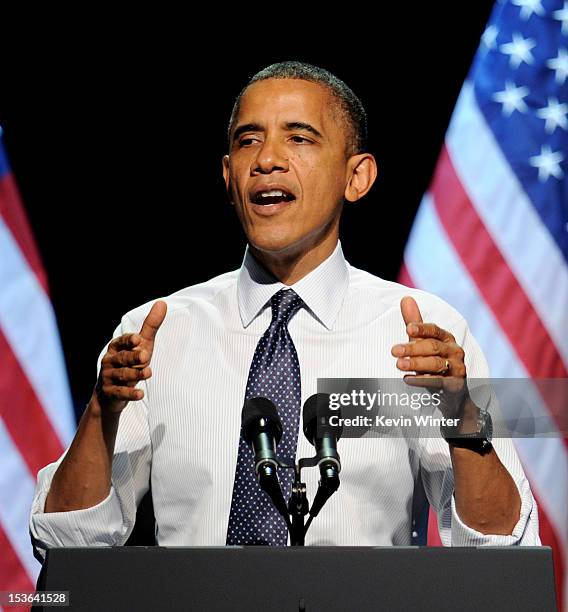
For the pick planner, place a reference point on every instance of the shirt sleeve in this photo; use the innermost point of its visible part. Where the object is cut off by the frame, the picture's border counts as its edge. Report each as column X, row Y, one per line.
column 437, row 473
column 110, row 522
column 438, row 479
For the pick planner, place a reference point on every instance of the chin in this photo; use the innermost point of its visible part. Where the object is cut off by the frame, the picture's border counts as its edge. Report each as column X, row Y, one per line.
column 272, row 243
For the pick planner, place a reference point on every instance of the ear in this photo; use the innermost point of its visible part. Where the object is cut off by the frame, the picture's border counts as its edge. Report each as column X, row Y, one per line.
column 226, row 176
column 362, row 172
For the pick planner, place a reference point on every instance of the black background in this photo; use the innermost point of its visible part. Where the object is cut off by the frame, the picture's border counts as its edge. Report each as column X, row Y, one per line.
column 116, row 137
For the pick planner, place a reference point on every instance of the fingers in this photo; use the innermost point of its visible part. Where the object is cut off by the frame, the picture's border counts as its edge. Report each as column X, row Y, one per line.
column 136, row 358
column 126, row 341
column 430, row 350
column 118, row 377
column 126, row 376
column 430, row 356
column 153, row 321
column 425, row 365
column 116, row 393
column 432, row 365
column 428, row 330
column 424, row 348
column 117, row 374
column 126, row 363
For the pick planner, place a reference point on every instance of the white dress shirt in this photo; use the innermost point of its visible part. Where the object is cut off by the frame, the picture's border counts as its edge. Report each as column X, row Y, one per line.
column 183, row 436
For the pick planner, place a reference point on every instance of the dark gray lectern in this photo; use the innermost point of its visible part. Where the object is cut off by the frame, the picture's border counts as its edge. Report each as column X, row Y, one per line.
column 310, row 579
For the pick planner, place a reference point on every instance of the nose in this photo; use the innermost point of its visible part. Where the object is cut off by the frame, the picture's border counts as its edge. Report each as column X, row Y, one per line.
column 270, row 158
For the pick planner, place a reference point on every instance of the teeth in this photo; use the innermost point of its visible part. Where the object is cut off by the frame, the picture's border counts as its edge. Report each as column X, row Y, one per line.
column 272, row 194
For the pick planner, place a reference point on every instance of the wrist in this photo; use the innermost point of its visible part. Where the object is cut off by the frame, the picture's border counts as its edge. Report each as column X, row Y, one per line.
column 97, row 409
column 469, row 421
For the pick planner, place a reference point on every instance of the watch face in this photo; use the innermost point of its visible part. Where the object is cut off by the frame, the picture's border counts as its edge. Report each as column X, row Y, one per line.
column 487, row 428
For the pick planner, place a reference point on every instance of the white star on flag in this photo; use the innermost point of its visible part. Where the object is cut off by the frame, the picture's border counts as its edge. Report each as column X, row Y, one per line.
column 528, row 7
column 512, row 98
column 548, row 163
column 560, row 65
column 562, row 15
column 554, row 114
column 520, row 50
column 490, row 36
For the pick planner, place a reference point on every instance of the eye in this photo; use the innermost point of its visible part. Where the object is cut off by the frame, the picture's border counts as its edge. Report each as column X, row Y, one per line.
column 300, row 140
column 247, row 141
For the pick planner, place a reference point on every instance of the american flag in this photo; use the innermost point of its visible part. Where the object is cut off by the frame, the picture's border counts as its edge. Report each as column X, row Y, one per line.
column 491, row 233
column 36, row 415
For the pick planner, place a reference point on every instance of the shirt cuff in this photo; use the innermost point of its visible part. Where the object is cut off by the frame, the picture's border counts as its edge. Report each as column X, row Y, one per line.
column 100, row 525
column 462, row 535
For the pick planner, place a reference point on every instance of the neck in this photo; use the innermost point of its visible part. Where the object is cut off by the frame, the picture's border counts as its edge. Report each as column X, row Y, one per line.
column 291, row 265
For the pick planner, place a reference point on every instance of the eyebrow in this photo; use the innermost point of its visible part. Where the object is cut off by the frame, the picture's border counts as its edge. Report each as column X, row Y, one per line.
column 247, row 127
column 299, row 125
column 291, row 125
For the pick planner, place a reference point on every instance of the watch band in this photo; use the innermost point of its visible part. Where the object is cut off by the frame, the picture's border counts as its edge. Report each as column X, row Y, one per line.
column 479, row 445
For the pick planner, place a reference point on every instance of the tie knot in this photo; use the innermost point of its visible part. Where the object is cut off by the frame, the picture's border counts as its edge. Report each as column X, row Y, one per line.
column 284, row 304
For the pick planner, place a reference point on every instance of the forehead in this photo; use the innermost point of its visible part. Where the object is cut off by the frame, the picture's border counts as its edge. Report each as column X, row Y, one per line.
column 287, row 100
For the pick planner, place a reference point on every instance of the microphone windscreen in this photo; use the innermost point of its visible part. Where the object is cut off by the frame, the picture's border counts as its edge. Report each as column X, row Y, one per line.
column 256, row 408
column 316, row 415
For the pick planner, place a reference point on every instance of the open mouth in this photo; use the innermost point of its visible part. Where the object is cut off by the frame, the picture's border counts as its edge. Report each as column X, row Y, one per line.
column 271, row 197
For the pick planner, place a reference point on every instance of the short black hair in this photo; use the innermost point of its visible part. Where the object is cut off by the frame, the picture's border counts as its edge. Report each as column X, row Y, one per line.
column 349, row 105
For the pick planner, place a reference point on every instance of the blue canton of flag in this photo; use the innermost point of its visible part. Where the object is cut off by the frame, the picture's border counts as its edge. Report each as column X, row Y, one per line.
column 521, row 84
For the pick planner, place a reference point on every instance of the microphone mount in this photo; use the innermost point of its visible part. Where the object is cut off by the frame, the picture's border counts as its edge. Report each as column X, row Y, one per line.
column 263, row 430
column 298, row 506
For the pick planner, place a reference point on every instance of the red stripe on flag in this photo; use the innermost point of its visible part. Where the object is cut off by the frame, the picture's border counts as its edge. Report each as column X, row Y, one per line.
column 23, row 415
column 493, row 277
column 13, row 576
column 14, row 215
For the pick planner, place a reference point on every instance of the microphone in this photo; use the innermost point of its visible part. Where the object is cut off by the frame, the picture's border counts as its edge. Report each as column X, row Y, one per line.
column 324, row 437
column 262, row 430
column 319, row 432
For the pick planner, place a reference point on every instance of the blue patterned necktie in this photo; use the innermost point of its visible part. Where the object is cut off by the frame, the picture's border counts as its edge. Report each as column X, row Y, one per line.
column 274, row 374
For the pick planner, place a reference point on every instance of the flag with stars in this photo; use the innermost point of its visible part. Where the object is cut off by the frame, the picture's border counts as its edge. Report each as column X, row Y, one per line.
column 491, row 233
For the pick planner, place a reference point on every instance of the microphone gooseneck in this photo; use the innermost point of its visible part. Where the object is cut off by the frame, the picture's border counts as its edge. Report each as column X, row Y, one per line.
column 323, row 437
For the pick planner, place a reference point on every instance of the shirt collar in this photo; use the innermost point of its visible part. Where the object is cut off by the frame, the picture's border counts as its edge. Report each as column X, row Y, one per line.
column 322, row 290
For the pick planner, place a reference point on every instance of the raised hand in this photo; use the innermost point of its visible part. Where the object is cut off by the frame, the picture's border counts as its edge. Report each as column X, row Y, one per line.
column 432, row 353
column 127, row 361
column 431, row 349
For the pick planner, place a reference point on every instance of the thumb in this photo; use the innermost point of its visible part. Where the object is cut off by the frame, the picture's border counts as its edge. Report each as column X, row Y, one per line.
column 153, row 321
column 410, row 311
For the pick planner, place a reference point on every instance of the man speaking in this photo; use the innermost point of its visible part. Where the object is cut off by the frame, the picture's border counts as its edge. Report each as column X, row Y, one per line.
column 166, row 409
